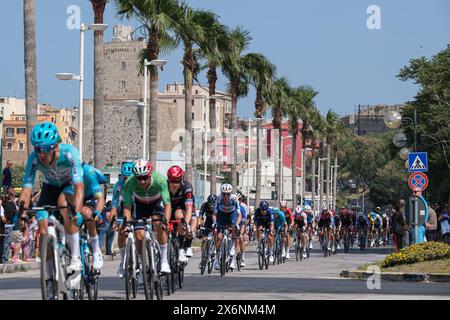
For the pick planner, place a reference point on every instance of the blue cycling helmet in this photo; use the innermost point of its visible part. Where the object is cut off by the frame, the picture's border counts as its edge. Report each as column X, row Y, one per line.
column 127, row 169
column 264, row 205
column 44, row 134
column 275, row 211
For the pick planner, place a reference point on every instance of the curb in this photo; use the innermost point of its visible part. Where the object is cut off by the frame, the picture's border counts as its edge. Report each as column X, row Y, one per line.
column 19, row 267
column 394, row 276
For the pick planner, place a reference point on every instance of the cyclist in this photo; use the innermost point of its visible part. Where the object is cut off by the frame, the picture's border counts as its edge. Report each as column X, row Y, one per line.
column 300, row 223
column 337, row 228
column 346, row 220
column 61, row 168
column 326, row 221
column 182, row 200
column 280, row 226
column 126, row 171
column 290, row 222
column 264, row 221
column 207, row 218
column 241, row 240
column 94, row 202
column 363, row 223
column 377, row 221
column 228, row 215
column 311, row 223
column 147, row 192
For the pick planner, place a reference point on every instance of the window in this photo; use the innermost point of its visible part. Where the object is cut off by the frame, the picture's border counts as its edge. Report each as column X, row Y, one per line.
column 196, row 91
column 124, row 65
column 122, row 84
column 183, row 91
column 193, row 102
column 17, row 118
column 9, row 132
column 174, row 100
column 2, row 100
column 21, row 145
column 21, row 130
column 9, row 146
column 193, row 116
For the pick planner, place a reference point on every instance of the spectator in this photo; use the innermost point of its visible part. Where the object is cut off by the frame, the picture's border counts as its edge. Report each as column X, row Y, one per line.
column 33, row 236
column 407, row 228
column 444, row 220
column 7, row 177
column 431, row 225
column 21, row 238
column 10, row 213
column 398, row 226
column 437, row 208
column 2, row 231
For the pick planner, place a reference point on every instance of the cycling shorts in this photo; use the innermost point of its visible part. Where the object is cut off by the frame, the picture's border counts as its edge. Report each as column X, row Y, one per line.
column 300, row 223
column 224, row 219
column 143, row 211
column 49, row 197
column 325, row 223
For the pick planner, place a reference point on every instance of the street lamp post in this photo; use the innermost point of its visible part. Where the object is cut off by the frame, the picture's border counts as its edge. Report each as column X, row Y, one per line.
column 319, row 185
column 71, row 76
column 248, row 159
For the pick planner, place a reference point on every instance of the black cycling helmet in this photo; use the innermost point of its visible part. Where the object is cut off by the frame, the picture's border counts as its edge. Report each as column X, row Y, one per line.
column 212, row 199
column 264, row 205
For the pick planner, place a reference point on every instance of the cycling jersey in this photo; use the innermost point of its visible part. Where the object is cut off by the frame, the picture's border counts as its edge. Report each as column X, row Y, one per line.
column 227, row 214
column 363, row 222
column 206, row 213
column 117, row 199
column 243, row 208
column 377, row 221
column 346, row 219
column 183, row 197
column 279, row 220
column 385, row 222
column 148, row 201
column 67, row 171
column 326, row 220
column 263, row 219
column 288, row 215
column 300, row 218
column 92, row 178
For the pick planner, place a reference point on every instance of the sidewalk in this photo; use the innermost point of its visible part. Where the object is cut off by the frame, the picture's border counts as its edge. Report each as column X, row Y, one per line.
column 19, row 267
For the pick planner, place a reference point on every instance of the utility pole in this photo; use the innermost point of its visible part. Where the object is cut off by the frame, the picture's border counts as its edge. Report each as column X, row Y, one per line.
column 359, row 121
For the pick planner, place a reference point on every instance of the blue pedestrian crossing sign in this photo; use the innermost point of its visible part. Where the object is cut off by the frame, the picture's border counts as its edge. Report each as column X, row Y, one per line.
column 418, row 161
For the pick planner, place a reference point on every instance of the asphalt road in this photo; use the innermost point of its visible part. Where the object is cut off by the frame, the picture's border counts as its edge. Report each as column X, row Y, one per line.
column 314, row 278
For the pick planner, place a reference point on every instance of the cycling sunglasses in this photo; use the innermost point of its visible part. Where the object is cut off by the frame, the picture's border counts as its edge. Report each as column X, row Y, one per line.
column 44, row 149
column 143, row 178
column 175, row 181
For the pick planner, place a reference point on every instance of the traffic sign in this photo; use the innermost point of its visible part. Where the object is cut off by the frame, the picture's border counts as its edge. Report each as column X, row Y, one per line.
column 418, row 180
column 418, row 162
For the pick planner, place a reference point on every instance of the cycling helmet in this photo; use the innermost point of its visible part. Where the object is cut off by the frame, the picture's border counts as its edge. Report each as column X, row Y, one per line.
column 264, row 205
column 142, row 168
column 324, row 208
column 127, row 169
column 298, row 209
column 212, row 199
column 175, row 173
column 275, row 211
column 384, row 215
column 308, row 208
column 227, row 188
column 283, row 204
column 44, row 134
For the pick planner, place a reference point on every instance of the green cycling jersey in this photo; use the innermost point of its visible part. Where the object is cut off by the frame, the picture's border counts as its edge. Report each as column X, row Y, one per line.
column 157, row 191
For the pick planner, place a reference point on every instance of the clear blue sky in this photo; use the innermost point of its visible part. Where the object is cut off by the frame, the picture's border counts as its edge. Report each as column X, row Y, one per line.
column 325, row 44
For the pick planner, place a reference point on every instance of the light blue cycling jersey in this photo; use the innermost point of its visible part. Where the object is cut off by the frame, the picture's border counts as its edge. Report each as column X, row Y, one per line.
column 67, row 171
column 117, row 194
column 279, row 219
column 243, row 209
column 228, row 209
column 92, row 179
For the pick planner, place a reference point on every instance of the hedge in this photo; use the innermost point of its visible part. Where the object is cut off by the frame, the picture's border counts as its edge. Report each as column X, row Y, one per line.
column 426, row 251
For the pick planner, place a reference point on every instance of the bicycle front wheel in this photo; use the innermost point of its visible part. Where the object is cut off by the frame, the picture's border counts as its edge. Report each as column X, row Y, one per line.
column 129, row 271
column 49, row 285
column 147, row 269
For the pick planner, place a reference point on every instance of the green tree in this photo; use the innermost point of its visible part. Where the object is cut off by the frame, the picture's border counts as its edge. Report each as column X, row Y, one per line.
column 432, row 104
column 389, row 184
column 17, row 176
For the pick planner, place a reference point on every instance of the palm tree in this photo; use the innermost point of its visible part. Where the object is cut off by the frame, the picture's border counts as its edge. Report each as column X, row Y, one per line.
column 277, row 98
column 191, row 27
column 259, row 73
column 29, row 22
column 301, row 109
column 99, row 107
column 159, row 18
column 317, row 124
column 213, row 48
column 234, row 70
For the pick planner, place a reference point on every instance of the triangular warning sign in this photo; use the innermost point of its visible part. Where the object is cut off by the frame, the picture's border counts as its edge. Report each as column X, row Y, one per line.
column 418, row 164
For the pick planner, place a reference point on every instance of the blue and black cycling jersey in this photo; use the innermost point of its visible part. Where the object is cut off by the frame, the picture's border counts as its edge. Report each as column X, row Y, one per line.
column 264, row 220
column 227, row 213
column 243, row 208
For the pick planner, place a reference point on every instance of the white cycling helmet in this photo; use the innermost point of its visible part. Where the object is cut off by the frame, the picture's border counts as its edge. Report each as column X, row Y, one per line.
column 227, row 188
column 308, row 208
column 142, row 168
column 283, row 204
column 298, row 209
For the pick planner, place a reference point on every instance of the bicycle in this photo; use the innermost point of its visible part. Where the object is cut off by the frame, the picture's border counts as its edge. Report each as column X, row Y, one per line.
column 207, row 257
column 225, row 248
column 346, row 239
column 325, row 242
column 278, row 247
column 176, row 278
column 55, row 283
column 90, row 276
column 299, row 245
column 263, row 251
